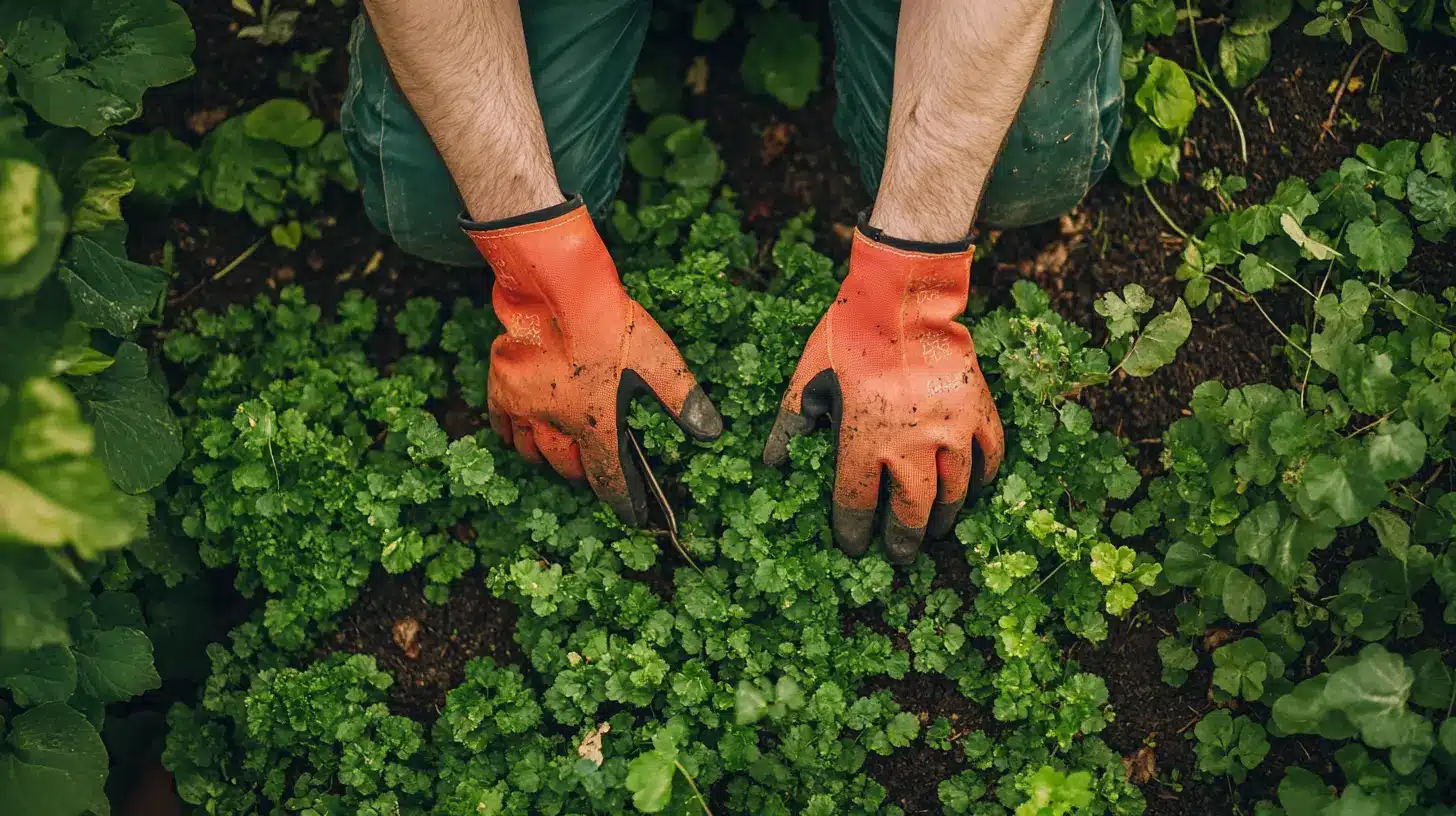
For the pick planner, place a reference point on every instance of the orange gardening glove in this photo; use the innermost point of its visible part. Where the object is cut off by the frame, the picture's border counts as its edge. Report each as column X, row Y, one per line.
column 575, row 351
column 898, row 378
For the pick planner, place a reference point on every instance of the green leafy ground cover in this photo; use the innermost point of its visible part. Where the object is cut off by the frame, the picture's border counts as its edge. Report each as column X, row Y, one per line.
column 740, row 664
column 742, row 684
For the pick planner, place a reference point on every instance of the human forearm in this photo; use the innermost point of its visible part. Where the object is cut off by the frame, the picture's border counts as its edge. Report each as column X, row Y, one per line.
column 463, row 67
column 961, row 71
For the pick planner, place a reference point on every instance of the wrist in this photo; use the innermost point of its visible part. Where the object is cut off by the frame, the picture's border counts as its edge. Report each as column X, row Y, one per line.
column 512, row 195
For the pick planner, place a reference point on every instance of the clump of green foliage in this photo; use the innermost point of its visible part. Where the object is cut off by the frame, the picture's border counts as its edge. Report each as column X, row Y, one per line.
column 1319, row 516
column 272, row 163
column 741, row 687
column 85, row 428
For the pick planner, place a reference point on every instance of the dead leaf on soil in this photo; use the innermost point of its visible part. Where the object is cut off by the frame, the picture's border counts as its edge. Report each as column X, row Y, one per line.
column 776, row 138
column 1141, row 765
column 697, row 76
column 200, row 122
column 407, row 637
column 591, row 746
column 1214, row 638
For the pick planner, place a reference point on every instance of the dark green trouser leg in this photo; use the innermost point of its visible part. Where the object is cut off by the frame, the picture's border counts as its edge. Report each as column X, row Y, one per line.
column 582, row 55
column 1062, row 139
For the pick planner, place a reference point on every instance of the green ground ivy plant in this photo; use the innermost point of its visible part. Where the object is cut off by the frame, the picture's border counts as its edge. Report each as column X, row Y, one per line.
column 729, row 668
column 1317, row 516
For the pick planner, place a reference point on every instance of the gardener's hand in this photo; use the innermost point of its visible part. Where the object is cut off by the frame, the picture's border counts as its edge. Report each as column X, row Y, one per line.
column 575, row 351
column 898, row 378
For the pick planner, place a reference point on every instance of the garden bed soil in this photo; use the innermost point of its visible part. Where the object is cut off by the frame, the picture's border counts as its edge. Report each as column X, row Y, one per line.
column 782, row 162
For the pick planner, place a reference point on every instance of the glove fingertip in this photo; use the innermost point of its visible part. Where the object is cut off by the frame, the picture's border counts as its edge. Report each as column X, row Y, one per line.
column 785, row 428
column 853, row 529
column 699, row 417
column 902, row 542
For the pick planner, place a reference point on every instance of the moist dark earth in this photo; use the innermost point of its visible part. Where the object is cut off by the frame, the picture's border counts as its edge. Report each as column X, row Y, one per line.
column 782, row 162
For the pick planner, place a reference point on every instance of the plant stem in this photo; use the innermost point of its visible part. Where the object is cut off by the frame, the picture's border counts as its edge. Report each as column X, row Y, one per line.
column 1166, row 218
column 236, row 262
column 694, row 786
column 1241, row 290
column 1233, row 114
column 1212, row 86
column 1329, row 123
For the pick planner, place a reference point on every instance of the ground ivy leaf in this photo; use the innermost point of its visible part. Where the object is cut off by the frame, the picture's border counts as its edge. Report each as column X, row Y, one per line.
column 1372, row 692
column 712, row 19
column 1383, row 248
column 649, row 777
column 1336, row 491
column 137, row 437
column 115, row 664
column 1256, row 273
column 1159, row 341
column 52, row 763
column 285, row 121
column 1397, row 450
column 1302, row 791
column 1243, row 56
column 107, row 291
column 1439, row 156
column 1315, row 249
column 1432, row 685
column 39, row 676
column 1243, row 598
column 1166, row 96
column 86, row 63
column 1255, row 533
column 782, row 57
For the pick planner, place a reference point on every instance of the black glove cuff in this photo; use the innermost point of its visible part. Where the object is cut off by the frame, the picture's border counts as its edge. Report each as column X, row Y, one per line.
column 879, row 237
column 555, row 210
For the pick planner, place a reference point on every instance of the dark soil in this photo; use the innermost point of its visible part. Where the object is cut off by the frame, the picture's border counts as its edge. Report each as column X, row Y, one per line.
column 782, row 162
column 424, row 646
column 912, row 775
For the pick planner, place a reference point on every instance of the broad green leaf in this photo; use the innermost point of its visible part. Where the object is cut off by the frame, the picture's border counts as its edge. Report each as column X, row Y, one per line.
column 1392, row 161
column 285, row 121
column 86, row 63
column 115, row 664
column 109, row 292
column 1381, row 248
column 1393, row 532
column 54, row 490
column 39, row 676
column 1296, row 539
column 1260, row 16
column 711, row 19
column 1243, row 56
column 137, row 438
column 1166, row 96
column 1315, row 249
column 1256, row 531
column 1340, row 491
column 1151, row 157
column 1122, row 311
column 1159, row 341
column 1433, row 202
column 1301, row 791
column 782, row 57
column 1390, row 35
column 1439, row 156
column 1431, row 686
column 32, row 226
column 1372, row 692
column 1304, row 710
column 164, row 167
column 92, row 175
column 1256, row 273
column 1243, row 598
column 52, row 763
column 1396, row 450
column 649, row 778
